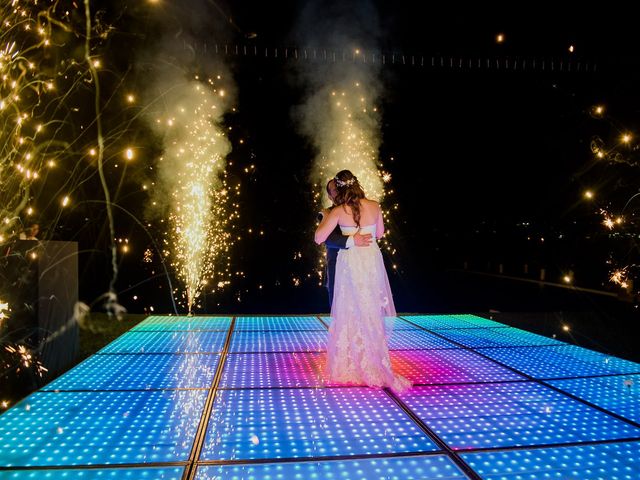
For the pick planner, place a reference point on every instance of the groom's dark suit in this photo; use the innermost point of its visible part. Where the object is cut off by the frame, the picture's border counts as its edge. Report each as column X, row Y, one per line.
column 334, row 242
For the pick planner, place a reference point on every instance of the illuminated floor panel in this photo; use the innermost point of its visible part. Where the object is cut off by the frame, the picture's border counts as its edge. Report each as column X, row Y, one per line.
column 618, row 394
column 396, row 322
column 274, row 423
column 85, row 428
column 496, row 337
column 167, row 342
column 168, row 392
column 417, row 339
column 277, row 341
column 261, row 370
column 279, row 323
column 156, row 323
column 449, row 366
column 613, row 461
column 443, row 322
column 150, row 473
column 561, row 362
column 399, row 468
column 131, row 372
column 509, row 415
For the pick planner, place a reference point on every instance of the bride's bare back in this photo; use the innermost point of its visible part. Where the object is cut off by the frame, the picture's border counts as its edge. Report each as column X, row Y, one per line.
column 370, row 214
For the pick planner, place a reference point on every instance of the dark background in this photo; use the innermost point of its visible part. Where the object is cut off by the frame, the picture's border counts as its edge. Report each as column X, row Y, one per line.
column 489, row 163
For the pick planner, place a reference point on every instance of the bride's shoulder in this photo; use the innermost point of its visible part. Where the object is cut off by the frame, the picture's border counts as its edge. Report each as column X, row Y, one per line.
column 371, row 203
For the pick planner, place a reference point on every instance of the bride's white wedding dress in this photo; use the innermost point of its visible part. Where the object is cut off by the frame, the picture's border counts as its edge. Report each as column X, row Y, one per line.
column 357, row 350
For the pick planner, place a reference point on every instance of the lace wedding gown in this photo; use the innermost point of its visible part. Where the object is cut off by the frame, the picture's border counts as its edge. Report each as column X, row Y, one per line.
column 357, row 351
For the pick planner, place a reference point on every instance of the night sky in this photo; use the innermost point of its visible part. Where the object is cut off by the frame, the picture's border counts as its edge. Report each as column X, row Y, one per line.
column 474, row 152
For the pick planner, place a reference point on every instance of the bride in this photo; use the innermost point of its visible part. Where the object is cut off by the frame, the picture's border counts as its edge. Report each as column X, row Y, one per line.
column 357, row 351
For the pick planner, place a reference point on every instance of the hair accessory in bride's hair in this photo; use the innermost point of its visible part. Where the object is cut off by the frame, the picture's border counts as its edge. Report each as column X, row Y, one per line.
column 345, row 183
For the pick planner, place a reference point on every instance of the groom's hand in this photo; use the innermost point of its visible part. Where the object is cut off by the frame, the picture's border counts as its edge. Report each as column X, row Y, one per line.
column 362, row 240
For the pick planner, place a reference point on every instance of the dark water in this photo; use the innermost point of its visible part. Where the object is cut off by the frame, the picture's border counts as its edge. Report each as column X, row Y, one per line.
column 603, row 323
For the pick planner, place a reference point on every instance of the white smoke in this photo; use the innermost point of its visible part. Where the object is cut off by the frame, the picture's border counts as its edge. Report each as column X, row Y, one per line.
column 339, row 115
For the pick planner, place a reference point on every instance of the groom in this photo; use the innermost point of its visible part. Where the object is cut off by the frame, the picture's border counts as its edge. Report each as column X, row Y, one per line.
column 337, row 241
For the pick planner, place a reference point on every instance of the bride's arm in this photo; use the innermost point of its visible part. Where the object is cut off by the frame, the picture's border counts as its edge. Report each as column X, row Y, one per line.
column 327, row 225
column 379, row 224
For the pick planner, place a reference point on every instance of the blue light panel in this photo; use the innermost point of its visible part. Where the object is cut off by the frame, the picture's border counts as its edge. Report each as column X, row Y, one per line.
column 293, row 423
column 396, row 322
column 86, row 428
column 292, row 341
column 156, row 323
column 440, row 322
column 618, row 394
column 149, row 473
column 278, row 323
column 495, row 337
column 561, row 361
column 509, row 415
column 265, row 370
column 417, row 339
column 167, row 342
column 477, row 320
column 128, row 372
column 399, row 468
column 612, row 461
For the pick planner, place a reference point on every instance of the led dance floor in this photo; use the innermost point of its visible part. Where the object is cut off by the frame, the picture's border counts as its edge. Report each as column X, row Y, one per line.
column 245, row 398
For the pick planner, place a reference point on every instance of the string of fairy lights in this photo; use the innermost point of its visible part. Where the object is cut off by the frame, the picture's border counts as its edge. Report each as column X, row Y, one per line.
column 53, row 140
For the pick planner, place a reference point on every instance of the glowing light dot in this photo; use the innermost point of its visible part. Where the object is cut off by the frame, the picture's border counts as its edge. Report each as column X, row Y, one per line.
column 131, row 98
column 96, row 63
column 566, row 328
column 626, row 138
column 500, row 38
column 129, row 154
column 92, row 152
column 566, row 279
column 65, row 201
column 571, row 48
column 599, row 109
column 588, row 194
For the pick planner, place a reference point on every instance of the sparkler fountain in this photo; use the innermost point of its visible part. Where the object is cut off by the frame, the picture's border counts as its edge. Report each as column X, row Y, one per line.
column 193, row 189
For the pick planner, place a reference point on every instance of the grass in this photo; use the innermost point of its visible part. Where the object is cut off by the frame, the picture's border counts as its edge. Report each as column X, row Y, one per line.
column 95, row 331
column 99, row 329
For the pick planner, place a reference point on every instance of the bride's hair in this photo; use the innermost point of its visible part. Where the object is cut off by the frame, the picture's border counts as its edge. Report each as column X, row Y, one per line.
column 349, row 192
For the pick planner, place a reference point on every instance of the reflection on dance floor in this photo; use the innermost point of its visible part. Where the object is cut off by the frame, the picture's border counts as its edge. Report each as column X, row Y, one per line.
column 246, row 398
